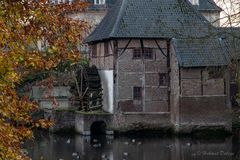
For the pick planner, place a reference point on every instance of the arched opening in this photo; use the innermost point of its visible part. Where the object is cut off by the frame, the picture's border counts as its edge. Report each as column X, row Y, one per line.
column 98, row 128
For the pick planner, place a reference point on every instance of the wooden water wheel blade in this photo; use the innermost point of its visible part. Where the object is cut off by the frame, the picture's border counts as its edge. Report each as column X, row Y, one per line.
column 92, row 88
column 92, row 107
column 94, row 99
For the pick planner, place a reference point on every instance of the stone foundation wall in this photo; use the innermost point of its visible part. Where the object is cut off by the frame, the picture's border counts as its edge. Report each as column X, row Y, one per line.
column 64, row 120
column 83, row 122
column 193, row 115
column 141, row 121
column 203, row 112
column 58, row 97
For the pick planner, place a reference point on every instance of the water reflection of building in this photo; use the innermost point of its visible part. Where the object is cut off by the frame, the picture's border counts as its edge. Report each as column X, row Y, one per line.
column 188, row 149
column 57, row 147
column 157, row 148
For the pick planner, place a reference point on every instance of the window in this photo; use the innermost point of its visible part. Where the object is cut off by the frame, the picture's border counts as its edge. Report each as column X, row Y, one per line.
column 137, row 53
column 163, row 79
column 94, row 51
column 137, row 93
column 99, row 2
column 147, row 53
column 106, row 49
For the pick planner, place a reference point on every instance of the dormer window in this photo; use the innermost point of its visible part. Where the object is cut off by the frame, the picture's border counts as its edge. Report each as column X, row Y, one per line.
column 194, row 2
column 99, row 2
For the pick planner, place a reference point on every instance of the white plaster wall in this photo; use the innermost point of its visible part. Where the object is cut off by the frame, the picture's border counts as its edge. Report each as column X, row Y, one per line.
column 107, row 85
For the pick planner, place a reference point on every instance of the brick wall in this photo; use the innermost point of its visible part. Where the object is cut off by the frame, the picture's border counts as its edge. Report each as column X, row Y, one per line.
column 196, row 82
column 64, row 120
column 84, row 121
column 141, row 121
column 198, row 99
column 103, row 61
column 204, row 111
column 135, row 72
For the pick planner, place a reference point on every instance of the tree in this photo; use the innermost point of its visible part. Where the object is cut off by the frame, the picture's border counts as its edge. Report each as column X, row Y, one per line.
column 230, row 15
column 24, row 24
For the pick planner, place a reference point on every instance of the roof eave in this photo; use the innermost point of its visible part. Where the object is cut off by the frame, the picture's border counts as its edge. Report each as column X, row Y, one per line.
column 124, row 38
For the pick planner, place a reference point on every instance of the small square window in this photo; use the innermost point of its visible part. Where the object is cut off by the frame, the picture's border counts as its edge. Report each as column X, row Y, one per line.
column 137, row 53
column 94, row 51
column 148, row 53
column 137, row 93
column 106, row 49
column 163, row 79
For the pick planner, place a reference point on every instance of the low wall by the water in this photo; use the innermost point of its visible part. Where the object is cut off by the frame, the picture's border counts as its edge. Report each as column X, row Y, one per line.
column 203, row 112
column 64, row 120
column 83, row 122
column 134, row 121
column 192, row 118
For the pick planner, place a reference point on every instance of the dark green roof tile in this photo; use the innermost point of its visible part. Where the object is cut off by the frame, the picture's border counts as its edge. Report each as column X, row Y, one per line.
column 200, row 52
column 151, row 19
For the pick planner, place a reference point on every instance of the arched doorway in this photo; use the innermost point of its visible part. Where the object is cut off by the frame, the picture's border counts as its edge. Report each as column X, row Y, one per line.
column 98, row 128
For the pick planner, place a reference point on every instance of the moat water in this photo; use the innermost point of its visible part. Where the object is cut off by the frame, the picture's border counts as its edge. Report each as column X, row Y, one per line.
column 47, row 146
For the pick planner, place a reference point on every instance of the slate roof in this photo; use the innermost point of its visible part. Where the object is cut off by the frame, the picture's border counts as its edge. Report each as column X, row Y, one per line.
column 151, row 19
column 208, row 5
column 200, row 52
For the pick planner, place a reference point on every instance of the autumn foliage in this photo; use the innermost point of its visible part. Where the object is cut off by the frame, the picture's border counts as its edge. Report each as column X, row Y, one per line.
column 24, row 25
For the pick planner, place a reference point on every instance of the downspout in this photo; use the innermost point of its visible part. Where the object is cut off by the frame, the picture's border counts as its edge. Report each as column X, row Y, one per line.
column 115, row 75
column 169, row 77
column 143, row 77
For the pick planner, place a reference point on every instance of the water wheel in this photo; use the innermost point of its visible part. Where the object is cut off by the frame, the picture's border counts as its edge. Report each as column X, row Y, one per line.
column 90, row 86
